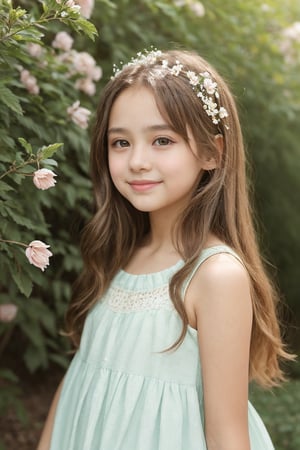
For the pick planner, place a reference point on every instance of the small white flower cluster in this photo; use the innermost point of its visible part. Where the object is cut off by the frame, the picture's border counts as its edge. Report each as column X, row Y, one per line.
column 69, row 4
column 202, row 83
column 141, row 59
column 206, row 90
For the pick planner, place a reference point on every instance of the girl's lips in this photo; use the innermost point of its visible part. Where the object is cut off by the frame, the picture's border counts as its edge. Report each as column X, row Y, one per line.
column 144, row 185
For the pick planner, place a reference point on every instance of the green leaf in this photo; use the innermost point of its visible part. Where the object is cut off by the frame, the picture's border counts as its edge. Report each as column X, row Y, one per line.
column 26, row 145
column 18, row 217
column 23, row 282
column 85, row 26
column 35, row 357
column 47, row 152
column 50, row 162
column 10, row 100
column 60, row 360
column 4, row 187
column 8, row 374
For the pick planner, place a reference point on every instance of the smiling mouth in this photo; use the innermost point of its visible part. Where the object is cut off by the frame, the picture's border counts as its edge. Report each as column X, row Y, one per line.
column 143, row 185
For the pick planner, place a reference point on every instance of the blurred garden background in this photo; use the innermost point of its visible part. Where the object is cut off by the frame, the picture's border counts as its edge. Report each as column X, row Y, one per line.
column 54, row 60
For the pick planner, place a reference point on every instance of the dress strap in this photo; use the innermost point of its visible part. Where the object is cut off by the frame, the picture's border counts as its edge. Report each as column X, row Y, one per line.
column 204, row 255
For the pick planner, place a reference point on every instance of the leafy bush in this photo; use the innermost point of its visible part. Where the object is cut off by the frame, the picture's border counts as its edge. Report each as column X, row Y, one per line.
column 37, row 89
column 279, row 410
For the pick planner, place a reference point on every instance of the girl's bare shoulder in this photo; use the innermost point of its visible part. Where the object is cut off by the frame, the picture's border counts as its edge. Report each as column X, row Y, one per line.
column 221, row 277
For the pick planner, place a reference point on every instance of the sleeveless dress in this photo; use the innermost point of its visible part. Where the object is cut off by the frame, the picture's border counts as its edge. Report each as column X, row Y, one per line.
column 121, row 391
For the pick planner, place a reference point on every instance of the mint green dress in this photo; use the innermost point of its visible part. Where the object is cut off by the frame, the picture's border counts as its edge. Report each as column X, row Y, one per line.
column 121, row 392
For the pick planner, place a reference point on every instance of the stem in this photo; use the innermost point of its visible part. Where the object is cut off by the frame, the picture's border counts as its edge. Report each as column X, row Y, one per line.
column 16, row 168
column 29, row 25
column 8, row 241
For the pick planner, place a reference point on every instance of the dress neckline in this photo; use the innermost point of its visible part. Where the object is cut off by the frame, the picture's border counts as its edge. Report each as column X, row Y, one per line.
column 165, row 272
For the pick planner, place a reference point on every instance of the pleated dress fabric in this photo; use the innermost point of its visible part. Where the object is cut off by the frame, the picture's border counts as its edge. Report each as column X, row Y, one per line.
column 122, row 391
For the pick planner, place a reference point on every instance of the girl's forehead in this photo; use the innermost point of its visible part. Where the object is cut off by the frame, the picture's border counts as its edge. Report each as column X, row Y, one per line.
column 135, row 105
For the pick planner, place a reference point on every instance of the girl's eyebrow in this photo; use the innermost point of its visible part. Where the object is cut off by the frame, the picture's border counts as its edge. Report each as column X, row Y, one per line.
column 158, row 127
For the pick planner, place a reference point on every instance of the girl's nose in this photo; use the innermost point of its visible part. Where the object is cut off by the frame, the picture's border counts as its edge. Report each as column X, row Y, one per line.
column 139, row 159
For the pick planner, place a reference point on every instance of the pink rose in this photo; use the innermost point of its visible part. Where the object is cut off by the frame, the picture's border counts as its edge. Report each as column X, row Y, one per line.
column 86, row 7
column 8, row 312
column 79, row 115
column 44, row 179
column 38, row 254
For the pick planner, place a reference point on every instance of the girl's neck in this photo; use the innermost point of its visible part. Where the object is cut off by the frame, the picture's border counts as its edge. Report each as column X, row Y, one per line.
column 161, row 232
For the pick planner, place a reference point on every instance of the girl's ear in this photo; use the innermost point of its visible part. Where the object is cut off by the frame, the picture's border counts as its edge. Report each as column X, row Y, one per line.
column 219, row 141
column 211, row 163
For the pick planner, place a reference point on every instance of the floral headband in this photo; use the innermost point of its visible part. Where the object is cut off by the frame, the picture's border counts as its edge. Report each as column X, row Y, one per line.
column 202, row 83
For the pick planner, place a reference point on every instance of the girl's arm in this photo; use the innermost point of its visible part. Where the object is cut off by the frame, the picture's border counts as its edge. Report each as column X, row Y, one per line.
column 45, row 439
column 220, row 298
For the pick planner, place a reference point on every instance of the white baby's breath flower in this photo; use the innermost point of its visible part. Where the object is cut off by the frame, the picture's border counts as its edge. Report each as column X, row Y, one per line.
column 202, row 83
column 223, row 113
column 205, row 74
column 210, row 106
column 176, row 69
column 193, row 78
column 209, row 85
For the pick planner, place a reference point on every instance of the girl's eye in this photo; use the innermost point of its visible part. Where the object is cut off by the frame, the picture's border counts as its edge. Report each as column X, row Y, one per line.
column 163, row 141
column 120, row 143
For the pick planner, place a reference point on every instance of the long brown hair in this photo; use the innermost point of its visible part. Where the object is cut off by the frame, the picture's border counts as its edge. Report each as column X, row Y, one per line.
column 219, row 205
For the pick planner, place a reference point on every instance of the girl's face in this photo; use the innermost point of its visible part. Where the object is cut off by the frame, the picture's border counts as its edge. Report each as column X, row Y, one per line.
column 150, row 164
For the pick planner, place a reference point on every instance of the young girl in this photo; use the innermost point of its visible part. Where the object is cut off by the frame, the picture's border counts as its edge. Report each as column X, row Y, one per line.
column 173, row 313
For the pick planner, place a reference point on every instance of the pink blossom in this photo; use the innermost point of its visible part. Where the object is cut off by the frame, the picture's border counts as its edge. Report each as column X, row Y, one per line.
column 86, row 85
column 29, row 81
column 96, row 73
column 63, row 41
column 44, row 179
column 87, row 7
column 84, row 63
column 34, row 50
column 38, row 254
column 8, row 312
column 79, row 115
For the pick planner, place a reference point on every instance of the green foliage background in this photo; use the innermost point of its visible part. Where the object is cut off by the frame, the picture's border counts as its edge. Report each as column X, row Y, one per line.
column 242, row 39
